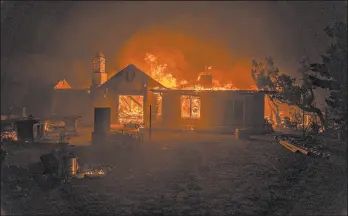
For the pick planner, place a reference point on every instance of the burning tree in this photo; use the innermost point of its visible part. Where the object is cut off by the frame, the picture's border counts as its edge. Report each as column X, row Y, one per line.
column 267, row 77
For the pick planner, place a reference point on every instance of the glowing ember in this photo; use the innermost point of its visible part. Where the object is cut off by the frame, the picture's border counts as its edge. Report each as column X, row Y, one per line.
column 51, row 126
column 8, row 136
column 95, row 172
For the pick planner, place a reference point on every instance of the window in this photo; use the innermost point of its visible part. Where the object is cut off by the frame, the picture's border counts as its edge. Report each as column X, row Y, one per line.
column 190, row 107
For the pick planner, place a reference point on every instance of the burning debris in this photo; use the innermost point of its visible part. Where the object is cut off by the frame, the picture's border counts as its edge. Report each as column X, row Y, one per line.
column 52, row 126
column 94, row 173
column 61, row 166
column 9, row 136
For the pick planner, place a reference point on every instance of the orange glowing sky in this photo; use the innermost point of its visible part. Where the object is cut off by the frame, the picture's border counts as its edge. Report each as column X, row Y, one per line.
column 186, row 56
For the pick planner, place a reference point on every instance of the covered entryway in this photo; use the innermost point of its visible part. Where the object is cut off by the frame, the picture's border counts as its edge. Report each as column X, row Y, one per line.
column 127, row 94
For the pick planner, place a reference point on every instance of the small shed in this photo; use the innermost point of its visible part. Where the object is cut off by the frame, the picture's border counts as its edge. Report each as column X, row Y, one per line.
column 30, row 130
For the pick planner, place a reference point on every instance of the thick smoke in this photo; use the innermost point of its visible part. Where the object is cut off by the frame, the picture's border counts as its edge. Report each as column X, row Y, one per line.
column 47, row 41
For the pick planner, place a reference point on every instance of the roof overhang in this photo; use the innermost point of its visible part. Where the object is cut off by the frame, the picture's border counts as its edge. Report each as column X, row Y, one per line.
column 198, row 92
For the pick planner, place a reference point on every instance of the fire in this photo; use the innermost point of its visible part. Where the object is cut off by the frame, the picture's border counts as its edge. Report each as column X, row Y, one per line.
column 190, row 107
column 185, row 54
column 8, row 135
column 131, row 109
column 158, row 72
column 95, row 172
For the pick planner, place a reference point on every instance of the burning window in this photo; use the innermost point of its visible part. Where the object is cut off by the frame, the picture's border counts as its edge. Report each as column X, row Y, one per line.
column 159, row 105
column 190, row 107
column 131, row 109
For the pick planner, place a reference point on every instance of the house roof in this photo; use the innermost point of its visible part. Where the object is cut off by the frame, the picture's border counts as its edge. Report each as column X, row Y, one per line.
column 131, row 74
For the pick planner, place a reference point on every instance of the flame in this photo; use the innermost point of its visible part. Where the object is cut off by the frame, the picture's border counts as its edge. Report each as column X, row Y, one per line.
column 183, row 82
column 185, row 55
column 158, row 72
column 131, row 109
column 95, row 172
column 190, row 107
column 9, row 135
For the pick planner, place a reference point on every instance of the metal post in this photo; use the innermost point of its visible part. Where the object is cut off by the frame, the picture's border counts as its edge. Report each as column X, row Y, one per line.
column 150, row 124
column 303, row 122
column 303, row 116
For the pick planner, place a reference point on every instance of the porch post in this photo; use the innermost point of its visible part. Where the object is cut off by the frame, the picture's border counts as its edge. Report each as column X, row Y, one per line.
column 244, row 110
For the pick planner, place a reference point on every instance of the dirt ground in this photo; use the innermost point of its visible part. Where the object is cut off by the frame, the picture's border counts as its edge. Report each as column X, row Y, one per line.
column 186, row 174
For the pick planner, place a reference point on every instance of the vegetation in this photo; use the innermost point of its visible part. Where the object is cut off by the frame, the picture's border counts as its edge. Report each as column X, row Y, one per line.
column 331, row 74
column 268, row 77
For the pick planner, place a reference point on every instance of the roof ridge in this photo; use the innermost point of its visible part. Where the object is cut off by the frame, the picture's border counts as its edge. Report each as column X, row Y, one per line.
column 137, row 70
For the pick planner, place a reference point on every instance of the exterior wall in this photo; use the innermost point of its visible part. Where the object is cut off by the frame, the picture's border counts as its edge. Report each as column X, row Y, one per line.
column 170, row 111
column 218, row 109
column 259, row 109
column 100, row 99
column 149, row 100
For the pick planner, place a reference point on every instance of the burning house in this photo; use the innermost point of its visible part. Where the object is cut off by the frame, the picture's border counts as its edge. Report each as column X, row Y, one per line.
column 132, row 93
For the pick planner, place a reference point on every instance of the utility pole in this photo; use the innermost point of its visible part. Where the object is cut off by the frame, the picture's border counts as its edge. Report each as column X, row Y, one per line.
column 303, row 116
column 150, row 129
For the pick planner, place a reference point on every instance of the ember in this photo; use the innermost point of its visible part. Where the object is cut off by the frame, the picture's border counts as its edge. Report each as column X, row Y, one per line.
column 9, row 136
column 94, row 173
column 54, row 125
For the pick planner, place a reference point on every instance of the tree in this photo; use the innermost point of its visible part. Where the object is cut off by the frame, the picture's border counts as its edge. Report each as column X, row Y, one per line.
column 283, row 88
column 331, row 74
column 265, row 76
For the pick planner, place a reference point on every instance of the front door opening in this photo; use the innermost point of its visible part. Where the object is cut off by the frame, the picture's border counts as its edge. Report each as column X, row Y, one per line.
column 130, row 109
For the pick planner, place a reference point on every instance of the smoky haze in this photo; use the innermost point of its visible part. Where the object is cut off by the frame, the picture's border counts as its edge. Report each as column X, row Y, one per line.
column 43, row 42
